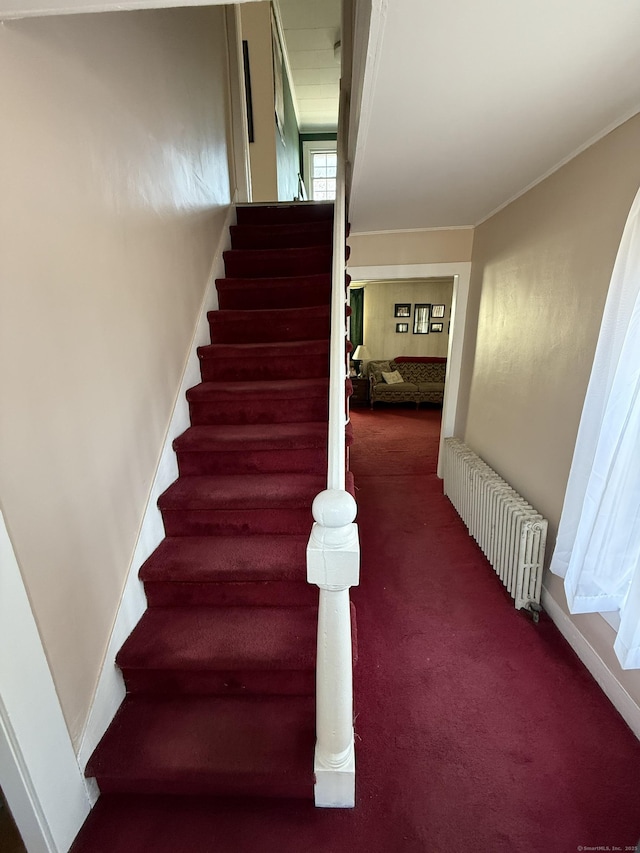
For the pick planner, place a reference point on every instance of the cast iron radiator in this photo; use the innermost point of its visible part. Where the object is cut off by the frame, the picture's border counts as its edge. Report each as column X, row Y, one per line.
column 511, row 534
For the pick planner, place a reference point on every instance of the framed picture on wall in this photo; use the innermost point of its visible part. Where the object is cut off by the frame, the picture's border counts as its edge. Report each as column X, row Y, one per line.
column 247, row 88
column 402, row 327
column 421, row 312
column 437, row 327
column 437, row 311
column 402, row 309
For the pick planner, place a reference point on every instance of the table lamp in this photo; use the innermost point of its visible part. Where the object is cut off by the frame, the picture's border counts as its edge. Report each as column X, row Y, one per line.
column 361, row 354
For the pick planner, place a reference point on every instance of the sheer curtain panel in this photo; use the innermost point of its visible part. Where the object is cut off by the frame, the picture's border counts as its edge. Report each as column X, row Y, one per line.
column 598, row 546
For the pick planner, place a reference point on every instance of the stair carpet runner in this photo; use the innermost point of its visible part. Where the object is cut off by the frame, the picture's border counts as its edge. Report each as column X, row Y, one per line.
column 220, row 670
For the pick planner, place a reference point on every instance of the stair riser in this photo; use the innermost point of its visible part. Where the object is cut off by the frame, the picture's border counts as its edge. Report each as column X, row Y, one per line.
column 235, row 683
column 230, row 522
column 259, row 411
column 307, row 461
column 294, row 214
column 218, row 785
column 256, row 264
column 287, row 296
column 250, row 369
column 238, row 332
column 259, row 594
column 313, row 234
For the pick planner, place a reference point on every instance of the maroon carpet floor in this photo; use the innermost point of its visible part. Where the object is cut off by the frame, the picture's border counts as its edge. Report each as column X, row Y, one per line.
column 476, row 729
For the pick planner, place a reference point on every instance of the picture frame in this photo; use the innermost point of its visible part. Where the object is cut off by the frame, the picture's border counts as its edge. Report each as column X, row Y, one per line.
column 421, row 314
column 247, row 89
column 437, row 327
column 401, row 328
column 437, row 311
column 402, row 309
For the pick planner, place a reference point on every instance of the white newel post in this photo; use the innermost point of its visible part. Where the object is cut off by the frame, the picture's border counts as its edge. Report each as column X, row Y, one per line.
column 333, row 564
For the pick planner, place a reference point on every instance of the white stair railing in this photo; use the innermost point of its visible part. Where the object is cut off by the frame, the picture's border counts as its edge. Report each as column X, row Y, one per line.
column 333, row 552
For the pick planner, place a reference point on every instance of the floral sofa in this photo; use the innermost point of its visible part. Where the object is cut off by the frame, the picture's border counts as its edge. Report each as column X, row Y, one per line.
column 422, row 380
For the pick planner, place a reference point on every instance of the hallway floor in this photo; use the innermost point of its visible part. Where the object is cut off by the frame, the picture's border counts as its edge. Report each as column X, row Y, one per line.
column 476, row 729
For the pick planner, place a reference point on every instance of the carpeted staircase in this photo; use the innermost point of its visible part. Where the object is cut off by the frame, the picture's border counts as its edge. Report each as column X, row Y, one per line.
column 220, row 669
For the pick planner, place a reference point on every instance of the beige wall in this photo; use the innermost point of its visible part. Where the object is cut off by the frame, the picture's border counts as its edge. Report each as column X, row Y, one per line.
column 441, row 246
column 540, row 274
column 380, row 334
column 115, row 184
column 256, row 30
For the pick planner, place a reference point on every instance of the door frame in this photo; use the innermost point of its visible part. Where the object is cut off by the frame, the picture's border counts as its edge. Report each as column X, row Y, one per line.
column 39, row 773
column 461, row 274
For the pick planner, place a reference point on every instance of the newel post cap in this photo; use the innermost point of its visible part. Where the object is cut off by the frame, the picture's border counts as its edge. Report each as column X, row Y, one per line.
column 333, row 552
column 334, row 508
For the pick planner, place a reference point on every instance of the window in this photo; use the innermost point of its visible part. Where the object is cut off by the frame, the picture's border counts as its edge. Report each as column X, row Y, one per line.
column 312, row 151
column 323, row 175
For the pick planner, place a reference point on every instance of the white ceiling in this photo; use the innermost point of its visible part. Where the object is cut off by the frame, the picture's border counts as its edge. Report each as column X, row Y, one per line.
column 467, row 104
column 311, row 29
column 39, row 8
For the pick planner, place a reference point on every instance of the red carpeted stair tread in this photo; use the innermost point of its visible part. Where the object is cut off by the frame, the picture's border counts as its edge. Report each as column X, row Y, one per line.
column 249, row 491
column 270, row 236
column 246, row 437
column 273, row 401
column 264, row 263
column 245, row 504
column 208, row 745
column 231, row 571
column 267, row 401
column 282, row 360
column 222, row 638
column 279, row 389
column 273, row 292
column 269, row 325
column 287, row 349
column 283, row 214
column 252, row 449
column 202, row 559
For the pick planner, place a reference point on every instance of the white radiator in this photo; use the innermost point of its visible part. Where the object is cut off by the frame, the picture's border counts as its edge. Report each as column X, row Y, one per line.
column 511, row 534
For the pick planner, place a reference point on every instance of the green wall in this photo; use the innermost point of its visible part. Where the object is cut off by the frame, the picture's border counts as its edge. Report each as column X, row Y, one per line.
column 287, row 150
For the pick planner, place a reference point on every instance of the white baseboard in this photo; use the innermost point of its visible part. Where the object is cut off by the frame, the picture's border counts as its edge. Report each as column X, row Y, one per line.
column 606, row 679
column 110, row 690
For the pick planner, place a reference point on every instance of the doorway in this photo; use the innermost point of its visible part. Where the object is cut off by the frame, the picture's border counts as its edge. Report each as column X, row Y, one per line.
column 461, row 274
column 10, row 840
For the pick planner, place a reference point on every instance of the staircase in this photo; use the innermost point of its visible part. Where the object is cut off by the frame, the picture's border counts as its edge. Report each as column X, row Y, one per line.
column 220, row 670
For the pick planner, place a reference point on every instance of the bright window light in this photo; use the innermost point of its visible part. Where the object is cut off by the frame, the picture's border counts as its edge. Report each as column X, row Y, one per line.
column 323, row 175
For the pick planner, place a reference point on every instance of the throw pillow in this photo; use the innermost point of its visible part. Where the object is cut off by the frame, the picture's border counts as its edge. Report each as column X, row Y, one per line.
column 392, row 378
column 377, row 368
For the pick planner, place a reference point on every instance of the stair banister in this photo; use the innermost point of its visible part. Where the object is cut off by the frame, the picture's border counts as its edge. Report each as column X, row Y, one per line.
column 333, row 552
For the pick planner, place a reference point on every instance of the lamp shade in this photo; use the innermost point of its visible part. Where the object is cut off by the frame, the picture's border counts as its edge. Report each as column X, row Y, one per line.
column 361, row 353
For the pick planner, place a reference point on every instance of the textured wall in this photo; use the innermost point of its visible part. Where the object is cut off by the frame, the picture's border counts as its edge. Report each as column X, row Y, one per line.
column 115, row 184
column 380, row 334
column 540, row 274
column 288, row 150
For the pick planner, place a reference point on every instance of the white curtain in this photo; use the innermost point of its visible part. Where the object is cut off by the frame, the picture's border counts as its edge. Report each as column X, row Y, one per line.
column 598, row 546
